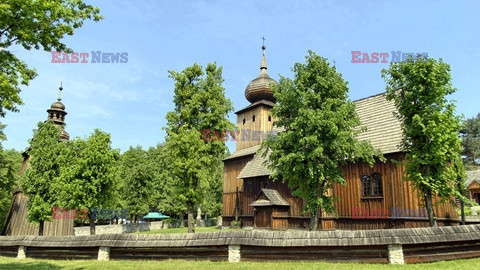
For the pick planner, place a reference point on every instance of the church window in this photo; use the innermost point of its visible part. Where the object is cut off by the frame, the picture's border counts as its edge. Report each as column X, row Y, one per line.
column 244, row 121
column 372, row 185
column 269, row 118
column 253, row 118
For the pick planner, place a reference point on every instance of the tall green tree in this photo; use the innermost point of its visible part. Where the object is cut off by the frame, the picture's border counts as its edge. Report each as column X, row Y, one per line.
column 10, row 162
column 200, row 103
column 44, row 172
column 164, row 198
column 470, row 134
column 138, row 177
column 319, row 134
column 430, row 127
column 88, row 175
column 34, row 24
column 213, row 200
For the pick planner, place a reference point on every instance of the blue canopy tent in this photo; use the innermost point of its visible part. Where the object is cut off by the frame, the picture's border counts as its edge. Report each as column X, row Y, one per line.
column 154, row 216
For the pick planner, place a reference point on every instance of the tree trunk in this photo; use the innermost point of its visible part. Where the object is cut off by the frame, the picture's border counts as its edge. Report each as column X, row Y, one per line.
column 182, row 220
column 191, row 220
column 92, row 226
column 318, row 212
column 431, row 213
column 462, row 209
column 314, row 220
column 199, row 217
column 40, row 227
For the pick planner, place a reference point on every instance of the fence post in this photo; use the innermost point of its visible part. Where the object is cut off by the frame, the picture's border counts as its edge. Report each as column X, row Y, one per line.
column 22, row 252
column 395, row 254
column 104, row 253
column 234, row 253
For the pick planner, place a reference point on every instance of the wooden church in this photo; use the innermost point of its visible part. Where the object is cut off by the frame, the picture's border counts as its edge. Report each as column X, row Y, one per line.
column 16, row 222
column 374, row 197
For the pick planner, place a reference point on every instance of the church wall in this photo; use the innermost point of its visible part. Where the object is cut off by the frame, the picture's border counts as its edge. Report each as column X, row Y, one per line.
column 231, row 170
column 396, row 194
column 17, row 223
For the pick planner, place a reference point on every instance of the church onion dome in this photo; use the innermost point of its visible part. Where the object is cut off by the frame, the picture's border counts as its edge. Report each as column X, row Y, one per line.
column 57, row 106
column 57, row 112
column 259, row 88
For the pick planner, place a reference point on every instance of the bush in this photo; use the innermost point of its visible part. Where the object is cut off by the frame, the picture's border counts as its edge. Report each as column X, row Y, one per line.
column 468, row 211
column 235, row 224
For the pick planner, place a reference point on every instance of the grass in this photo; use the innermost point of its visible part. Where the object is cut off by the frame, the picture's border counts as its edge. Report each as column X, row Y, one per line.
column 185, row 230
column 32, row 264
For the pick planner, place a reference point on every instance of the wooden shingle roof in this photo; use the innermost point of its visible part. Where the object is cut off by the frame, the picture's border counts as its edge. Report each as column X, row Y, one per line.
column 256, row 238
column 243, row 152
column 269, row 197
column 472, row 176
column 384, row 129
column 377, row 115
column 255, row 167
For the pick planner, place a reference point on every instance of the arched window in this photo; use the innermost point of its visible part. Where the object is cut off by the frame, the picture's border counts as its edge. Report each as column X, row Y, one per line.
column 372, row 185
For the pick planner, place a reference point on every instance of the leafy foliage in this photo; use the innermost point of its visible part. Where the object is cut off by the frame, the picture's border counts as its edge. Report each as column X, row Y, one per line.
column 34, row 24
column 161, row 165
column 470, row 134
column 138, row 187
column 319, row 133
column 88, row 173
column 430, row 126
column 45, row 165
column 10, row 162
column 200, row 103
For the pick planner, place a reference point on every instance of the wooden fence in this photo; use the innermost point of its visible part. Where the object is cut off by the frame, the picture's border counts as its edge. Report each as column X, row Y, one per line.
column 376, row 246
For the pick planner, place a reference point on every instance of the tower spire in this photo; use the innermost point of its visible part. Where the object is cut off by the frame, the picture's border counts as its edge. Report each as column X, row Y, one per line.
column 60, row 92
column 57, row 114
column 263, row 64
column 259, row 88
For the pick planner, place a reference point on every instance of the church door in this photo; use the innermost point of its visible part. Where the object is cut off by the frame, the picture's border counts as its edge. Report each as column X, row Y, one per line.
column 263, row 217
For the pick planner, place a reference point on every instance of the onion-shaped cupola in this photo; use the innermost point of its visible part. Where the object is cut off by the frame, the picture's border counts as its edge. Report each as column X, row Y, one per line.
column 259, row 88
column 57, row 114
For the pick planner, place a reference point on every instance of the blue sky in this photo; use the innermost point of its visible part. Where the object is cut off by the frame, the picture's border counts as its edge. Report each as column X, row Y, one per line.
column 130, row 100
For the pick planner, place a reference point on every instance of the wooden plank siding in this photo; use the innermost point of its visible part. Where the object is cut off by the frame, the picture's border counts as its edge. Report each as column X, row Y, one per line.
column 213, row 253
column 17, row 223
column 230, row 184
column 261, row 113
column 65, row 253
column 396, row 194
column 370, row 254
column 10, row 251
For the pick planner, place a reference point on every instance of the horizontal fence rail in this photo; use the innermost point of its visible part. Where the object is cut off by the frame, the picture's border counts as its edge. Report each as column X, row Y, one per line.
column 378, row 246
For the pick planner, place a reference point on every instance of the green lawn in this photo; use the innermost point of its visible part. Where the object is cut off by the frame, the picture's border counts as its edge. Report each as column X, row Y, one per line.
column 31, row 264
column 185, row 230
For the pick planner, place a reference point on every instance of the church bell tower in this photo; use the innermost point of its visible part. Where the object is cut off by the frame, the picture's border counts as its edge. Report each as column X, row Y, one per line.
column 254, row 121
column 57, row 114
